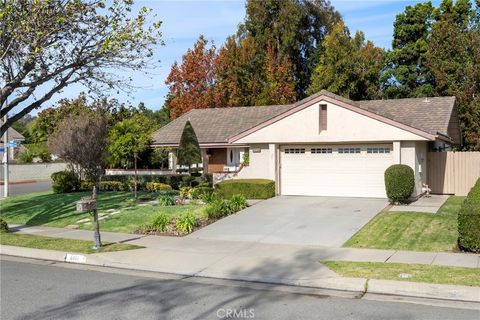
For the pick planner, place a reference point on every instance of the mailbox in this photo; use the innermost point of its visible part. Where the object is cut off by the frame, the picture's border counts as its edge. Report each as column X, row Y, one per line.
column 85, row 205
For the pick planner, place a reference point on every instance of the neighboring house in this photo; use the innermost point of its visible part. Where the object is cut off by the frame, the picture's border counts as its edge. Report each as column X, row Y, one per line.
column 323, row 145
column 13, row 135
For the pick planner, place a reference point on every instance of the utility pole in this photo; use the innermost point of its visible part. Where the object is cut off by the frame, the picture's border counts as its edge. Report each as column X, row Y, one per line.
column 5, row 163
column 135, row 155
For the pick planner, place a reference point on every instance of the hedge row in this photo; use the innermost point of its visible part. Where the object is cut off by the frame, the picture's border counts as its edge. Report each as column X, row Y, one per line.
column 249, row 188
column 469, row 221
column 66, row 181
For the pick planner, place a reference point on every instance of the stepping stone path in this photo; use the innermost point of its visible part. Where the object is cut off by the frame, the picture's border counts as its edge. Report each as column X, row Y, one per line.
column 102, row 215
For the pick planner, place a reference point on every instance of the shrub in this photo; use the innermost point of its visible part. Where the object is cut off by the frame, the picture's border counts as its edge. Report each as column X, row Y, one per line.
column 238, row 202
column 160, row 222
column 111, row 186
column 198, row 192
column 165, row 200
column 209, row 197
column 221, row 207
column 469, row 221
column 186, row 222
column 157, row 186
column 189, row 181
column 171, row 193
column 249, row 188
column 64, row 181
column 3, row 226
column 25, row 157
column 44, row 156
column 399, row 183
column 86, row 185
column 184, row 192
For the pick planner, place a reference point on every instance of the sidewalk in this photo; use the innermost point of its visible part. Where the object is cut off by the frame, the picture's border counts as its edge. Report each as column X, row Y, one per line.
column 259, row 262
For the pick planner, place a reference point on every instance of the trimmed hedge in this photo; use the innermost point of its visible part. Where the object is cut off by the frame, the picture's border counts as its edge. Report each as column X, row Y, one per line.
column 249, row 188
column 399, row 183
column 64, row 182
column 469, row 221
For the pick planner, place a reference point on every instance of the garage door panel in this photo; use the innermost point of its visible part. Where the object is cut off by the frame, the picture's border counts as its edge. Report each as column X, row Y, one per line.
column 353, row 175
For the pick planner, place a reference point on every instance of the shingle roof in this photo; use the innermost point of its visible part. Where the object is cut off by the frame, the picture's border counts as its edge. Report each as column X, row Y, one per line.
column 216, row 125
column 12, row 134
column 431, row 115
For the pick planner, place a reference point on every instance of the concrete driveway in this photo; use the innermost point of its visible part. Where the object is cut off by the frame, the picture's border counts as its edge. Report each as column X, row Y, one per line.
column 320, row 221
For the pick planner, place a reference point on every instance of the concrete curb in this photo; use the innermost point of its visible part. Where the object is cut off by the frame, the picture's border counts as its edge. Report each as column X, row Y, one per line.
column 356, row 285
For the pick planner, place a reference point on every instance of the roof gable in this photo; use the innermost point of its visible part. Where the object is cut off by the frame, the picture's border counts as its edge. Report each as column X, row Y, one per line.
column 216, row 125
column 344, row 125
column 426, row 117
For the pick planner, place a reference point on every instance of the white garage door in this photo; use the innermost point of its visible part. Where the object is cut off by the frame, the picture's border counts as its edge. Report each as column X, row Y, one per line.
column 343, row 170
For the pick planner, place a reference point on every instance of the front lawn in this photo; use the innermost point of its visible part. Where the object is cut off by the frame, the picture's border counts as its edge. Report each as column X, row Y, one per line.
column 117, row 212
column 418, row 272
column 411, row 230
column 60, row 244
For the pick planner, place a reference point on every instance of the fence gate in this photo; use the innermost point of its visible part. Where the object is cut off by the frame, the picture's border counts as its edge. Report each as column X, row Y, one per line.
column 453, row 172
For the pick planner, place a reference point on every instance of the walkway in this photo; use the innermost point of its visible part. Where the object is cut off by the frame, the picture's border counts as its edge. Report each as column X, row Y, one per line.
column 429, row 204
column 198, row 255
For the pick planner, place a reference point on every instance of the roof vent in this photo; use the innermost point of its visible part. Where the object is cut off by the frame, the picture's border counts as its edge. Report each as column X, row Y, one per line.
column 426, row 100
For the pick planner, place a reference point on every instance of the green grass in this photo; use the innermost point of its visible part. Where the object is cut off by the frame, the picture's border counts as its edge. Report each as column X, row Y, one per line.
column 419, row 272
column 58, row 210
column 411, row 230
column 60, row 244
column 130, row 219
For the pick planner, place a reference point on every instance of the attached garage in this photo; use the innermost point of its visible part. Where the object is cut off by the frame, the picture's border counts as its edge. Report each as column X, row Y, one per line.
column 334, row 170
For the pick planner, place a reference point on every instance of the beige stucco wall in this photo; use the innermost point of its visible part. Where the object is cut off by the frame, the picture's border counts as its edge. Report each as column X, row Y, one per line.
column 414, row 154
column 258, row 168
column 343, row 126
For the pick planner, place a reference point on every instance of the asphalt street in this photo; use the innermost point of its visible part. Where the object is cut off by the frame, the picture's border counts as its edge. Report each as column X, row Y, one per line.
column 26, row 188
column 35, row 291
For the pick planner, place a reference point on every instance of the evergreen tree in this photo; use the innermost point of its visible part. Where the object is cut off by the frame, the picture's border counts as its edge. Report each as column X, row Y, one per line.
column 295, row 28
column 349, row 67
column 407, row 75
column 189, row 150
column 454, row 60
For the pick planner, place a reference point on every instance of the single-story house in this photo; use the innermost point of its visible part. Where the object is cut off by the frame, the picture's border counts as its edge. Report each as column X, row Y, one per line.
column 323, row 145
column 13, row 135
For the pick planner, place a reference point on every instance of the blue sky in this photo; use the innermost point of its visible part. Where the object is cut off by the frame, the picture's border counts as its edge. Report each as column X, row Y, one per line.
column 184, row 21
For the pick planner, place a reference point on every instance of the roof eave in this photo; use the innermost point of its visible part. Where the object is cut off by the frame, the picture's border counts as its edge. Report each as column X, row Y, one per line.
column 332, row 100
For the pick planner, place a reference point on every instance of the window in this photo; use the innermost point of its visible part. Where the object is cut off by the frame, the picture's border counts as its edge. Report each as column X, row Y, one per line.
column 323, row 117
column 321, row 150
column 295, row 150
column 378, row 150
column 349, row 150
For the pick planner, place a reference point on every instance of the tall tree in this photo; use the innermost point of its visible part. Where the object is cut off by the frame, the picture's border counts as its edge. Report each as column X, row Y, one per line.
column 81, row 140
column 407, row 75
column 49, row 45
column 191, row 84
column 454, row 60
column 278, row 87
column 239, row 76
column 48, row 120
column 349, row 67
column 127, row 137
column 188, row 152
column 295, row 27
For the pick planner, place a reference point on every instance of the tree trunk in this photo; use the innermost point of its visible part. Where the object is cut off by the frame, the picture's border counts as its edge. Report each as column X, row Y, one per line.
column 97, row 242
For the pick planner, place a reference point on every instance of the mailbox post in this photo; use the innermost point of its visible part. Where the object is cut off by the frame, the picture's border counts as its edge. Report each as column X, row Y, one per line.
column 90, row 205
